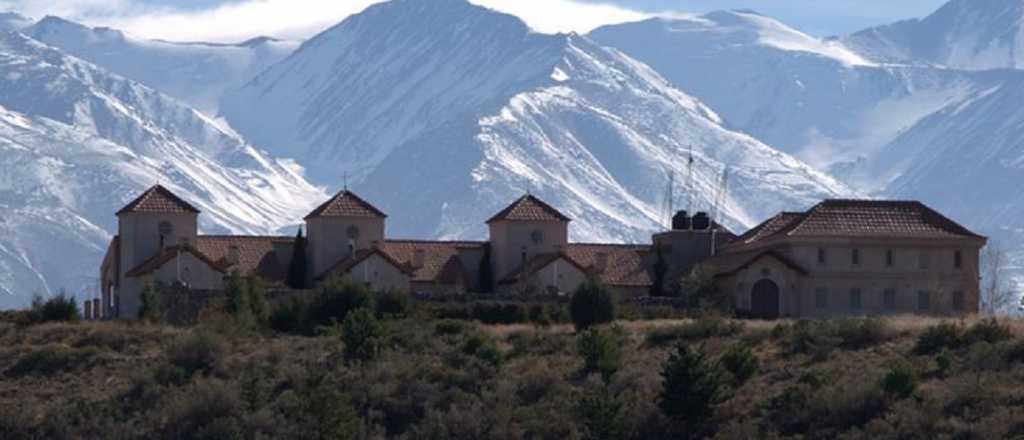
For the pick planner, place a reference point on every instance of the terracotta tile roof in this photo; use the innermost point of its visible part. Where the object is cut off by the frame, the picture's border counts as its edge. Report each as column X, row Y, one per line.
column 346, row 204
column 167, row 255
column 538, row 263
column 529, row 208
column 441, row 261
column 626, row 264
column 158, row 200
column 860, row 218
column 731, row 264
column 345, row 265
column 256, row 256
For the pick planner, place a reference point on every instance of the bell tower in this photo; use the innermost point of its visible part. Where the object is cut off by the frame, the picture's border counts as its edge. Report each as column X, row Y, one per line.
column 340, row 227
column 526, row 228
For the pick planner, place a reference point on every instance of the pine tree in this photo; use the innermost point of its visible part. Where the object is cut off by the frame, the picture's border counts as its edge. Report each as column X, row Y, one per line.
column 692, row 386
column 237, row 301
column 298, row 270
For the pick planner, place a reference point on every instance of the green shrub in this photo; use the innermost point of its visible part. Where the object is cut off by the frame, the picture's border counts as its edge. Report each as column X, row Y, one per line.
column 988, row 330
column 740, row 361
column 484, row 348
column 901, row 381
column 600, row 413
column 591, row 304
column 601, row 352
column 702, row 328
column 150, row 307
column 361, row 334
column 692, row 387
column 943, row 363
column 196, row 353
column 60, row 308
column 452, row 327
column 48, row 361
column 944, row 335
column 857, row 334
column 334, row 300
column 291, row 317
column 392, row 304
column 208, row 410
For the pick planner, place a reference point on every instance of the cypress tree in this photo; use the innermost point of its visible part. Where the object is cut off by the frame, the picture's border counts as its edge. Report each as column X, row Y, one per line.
column 298, row 270
column 486, row 272
column 660, row 269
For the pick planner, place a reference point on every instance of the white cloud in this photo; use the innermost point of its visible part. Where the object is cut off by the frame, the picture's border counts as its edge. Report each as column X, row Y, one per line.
column 293, row 19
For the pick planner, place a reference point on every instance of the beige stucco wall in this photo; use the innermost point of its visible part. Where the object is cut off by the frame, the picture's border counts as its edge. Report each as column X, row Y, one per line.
column 195, row 273
column 838, row 277
column 560, row 276
column 329, row 241
column 509, row 239
column 379, row 275
column 140, row 241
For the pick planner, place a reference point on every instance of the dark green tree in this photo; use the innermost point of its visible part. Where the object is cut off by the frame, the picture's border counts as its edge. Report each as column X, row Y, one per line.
column 150, row 309
column 592, row 304
column 298, row 270
column 361, row 333
column 237, row 296
column 660, row 270
column 486, row 271
column 692, row 386
column 256, row 295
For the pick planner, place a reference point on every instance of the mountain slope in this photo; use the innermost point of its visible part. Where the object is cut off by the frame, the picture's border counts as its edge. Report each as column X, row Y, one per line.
column 963, row 34
column 196, row 73
column 807, row 97
column 77, row 142
column 466, row 108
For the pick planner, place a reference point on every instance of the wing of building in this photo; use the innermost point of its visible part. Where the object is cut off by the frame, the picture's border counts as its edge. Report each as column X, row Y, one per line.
column 839, row 258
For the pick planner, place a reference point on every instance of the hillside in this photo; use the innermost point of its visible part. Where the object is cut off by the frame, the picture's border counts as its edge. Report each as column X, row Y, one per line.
column 847, row 379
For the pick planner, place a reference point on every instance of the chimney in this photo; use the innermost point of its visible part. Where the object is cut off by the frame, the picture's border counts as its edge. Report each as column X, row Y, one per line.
column 97, row 309
column 88, row 310
column 601, row 262
column 419, row 258
column 234, row 255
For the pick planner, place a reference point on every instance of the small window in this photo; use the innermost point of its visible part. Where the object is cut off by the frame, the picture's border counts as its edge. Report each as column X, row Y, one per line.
column 821, row 298
column 959, row 303
column 924, row 260
column 856, row 302
column 821, row 255
column 855, row 257
column 958, row 259
column 890, row 260
column 889, row 299
column 924, row 301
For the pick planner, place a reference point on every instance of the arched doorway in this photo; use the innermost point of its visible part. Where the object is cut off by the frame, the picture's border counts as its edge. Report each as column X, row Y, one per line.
column 764, row 300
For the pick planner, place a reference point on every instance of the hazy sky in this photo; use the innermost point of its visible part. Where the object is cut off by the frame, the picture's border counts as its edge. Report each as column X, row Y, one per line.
column 234, row 20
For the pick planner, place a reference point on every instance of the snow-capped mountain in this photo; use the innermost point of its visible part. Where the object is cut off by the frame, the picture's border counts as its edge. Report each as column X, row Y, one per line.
column 77, row 142
column 196, row 73
column 963, row 34
column 466, row 108
column 812, row 98
column 12, row 22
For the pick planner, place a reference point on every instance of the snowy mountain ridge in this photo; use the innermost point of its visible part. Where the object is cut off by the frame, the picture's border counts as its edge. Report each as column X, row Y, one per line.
column 76, row 143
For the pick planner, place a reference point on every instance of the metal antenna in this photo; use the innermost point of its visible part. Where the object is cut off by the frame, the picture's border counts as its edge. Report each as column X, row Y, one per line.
column 689, row 180
column 668, row 204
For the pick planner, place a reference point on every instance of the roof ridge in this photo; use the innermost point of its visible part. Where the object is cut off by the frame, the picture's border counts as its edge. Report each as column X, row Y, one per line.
column 137, row 204
column 506, row 213
column 370, row 210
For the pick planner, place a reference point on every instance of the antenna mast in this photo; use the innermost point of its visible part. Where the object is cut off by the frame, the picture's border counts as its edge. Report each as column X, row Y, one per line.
column 720, row 193
column 668, row 205
column 689, row 181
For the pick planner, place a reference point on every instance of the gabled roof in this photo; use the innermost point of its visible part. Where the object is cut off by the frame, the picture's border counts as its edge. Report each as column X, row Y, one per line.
column 538, row 263
column 347, row 264
column 860, row 218
column 529, row 208
column 731, row 264
column 624, row 265
column 346, row 204
column 158, row 200
column 256, row 256
column 441, row 262
column 169, row 254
